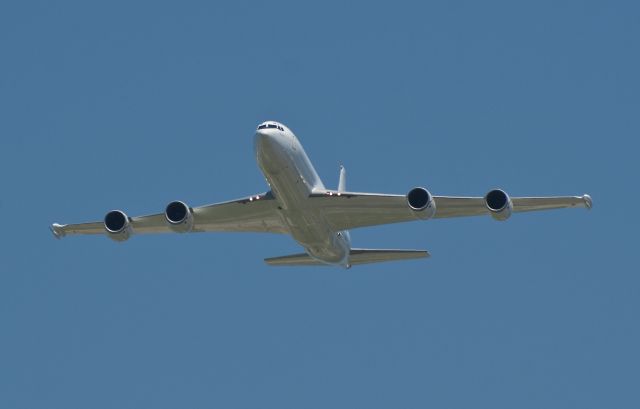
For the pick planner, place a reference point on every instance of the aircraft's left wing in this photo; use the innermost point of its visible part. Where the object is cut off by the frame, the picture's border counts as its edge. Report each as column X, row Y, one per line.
column 256, row 213
column 453, row 206
column 349, row 210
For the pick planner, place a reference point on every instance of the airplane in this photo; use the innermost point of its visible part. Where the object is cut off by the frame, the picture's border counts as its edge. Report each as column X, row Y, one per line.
column 319, row 219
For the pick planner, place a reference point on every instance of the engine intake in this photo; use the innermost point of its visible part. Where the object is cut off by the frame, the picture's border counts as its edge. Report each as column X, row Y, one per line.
column 117, row 225
column 179, row 217
column 421, row 202
column 499, row 204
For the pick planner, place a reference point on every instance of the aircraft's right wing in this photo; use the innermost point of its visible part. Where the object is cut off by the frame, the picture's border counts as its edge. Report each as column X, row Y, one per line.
column 256, row 213
column 349, row 210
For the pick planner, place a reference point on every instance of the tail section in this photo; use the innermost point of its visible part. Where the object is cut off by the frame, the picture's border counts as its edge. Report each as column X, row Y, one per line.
column 356, row 256
column 342, row 184
column 366, row 256
column 300, row 259
column 342, row 187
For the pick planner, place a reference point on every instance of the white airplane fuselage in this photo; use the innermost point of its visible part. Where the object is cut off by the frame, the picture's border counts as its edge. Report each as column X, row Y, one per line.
column 293, row 179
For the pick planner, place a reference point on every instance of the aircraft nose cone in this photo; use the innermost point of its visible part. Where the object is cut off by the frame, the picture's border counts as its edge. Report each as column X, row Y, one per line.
column 262, row 138
column 269, row 151
column 265, row 142
column 262, row 133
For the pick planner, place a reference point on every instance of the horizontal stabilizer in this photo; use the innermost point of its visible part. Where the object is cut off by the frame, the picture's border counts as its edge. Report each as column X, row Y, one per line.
column 356, row 256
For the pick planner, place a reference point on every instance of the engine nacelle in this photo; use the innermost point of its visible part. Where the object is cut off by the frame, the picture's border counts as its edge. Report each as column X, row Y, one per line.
column 421, row 202
column 499, row 204
column 117, row 225
column 179, row 217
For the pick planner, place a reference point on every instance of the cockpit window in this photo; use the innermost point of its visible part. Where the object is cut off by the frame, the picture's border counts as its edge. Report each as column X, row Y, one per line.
column 271, row 126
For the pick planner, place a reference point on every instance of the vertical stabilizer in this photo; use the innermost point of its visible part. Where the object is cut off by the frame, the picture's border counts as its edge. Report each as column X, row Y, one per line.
column 342, row 184
column 342, row 187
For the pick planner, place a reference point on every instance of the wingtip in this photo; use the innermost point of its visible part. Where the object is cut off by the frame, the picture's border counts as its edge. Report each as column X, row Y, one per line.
column 588, row 202
column 57, row 230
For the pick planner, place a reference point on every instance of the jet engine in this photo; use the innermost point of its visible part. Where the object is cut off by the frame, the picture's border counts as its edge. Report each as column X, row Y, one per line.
column 179, row 217
column 421, row 202
column 499, row 204
column 117, row 225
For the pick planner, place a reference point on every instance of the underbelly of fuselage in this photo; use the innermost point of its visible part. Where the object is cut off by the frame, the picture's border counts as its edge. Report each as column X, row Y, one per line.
column 286, row 177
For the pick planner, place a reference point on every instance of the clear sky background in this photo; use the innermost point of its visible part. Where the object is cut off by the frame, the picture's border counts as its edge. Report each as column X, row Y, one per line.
column 131, row 105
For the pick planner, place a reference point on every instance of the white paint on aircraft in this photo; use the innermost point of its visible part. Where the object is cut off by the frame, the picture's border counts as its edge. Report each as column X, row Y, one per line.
column 299, row 204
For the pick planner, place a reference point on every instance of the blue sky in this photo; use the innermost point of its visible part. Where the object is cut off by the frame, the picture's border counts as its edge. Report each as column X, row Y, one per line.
column 131, row 105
